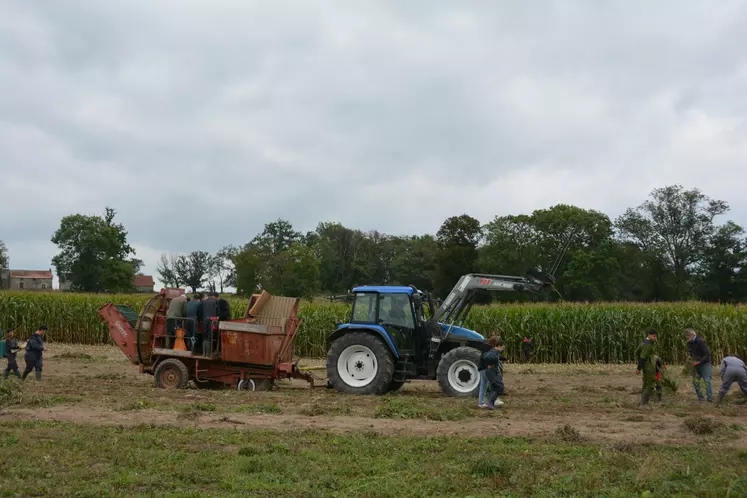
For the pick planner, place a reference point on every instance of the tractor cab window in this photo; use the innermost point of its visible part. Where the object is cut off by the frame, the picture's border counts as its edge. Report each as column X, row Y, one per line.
column 395, row 309
column 364, row 308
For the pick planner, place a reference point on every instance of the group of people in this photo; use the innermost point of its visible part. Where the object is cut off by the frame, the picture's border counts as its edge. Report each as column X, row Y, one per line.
column 196, row 317
column 33, row 357
column 732, row 368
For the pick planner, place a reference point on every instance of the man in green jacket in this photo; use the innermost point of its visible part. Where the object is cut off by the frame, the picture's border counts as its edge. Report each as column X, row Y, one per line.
column 646, row 354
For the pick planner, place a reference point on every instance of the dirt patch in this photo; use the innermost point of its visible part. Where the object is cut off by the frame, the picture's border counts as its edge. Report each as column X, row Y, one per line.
column 598, row 402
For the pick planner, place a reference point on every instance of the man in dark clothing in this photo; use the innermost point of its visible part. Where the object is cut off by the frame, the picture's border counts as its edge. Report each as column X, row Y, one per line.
column 194, row 315
column 34, row 351
column 646, row 354
column 702, row 370
column 224, row 309
column 11, row 348
column 659, row 373
column 494, row 373
column 209, row 315
column 528, row 346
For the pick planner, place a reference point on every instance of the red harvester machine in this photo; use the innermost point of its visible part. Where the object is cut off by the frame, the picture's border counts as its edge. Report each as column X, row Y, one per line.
column 249, row 353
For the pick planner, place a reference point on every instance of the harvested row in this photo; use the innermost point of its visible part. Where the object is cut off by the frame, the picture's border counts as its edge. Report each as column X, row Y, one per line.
column 605, row 332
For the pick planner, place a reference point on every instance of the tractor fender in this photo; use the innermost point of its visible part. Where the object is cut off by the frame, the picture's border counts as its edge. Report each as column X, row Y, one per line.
column 362, row 327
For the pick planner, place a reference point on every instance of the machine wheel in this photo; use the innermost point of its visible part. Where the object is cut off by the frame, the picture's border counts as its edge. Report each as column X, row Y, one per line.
column 171, row 374
column 254, row 385
column 457, row 372
column 360, row 363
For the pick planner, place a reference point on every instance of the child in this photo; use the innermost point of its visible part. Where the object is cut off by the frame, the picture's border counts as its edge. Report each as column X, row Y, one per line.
column 482, row 369
column 11, row 346
column 528, row 346
column 494, row 373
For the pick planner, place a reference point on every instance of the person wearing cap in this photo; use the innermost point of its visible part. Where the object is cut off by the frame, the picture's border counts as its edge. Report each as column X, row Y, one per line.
column 34, row 350
column 646, row 354
column 732, row 370
column 701, row 357
column 11, row 348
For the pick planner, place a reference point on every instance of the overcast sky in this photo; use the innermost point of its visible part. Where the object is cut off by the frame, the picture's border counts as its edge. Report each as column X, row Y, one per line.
column 201, row 121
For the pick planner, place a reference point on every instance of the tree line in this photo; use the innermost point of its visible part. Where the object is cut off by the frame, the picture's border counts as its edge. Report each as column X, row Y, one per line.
column 669, row 248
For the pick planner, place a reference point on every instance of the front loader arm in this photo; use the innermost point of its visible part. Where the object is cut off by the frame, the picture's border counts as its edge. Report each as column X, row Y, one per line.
column 457, row 304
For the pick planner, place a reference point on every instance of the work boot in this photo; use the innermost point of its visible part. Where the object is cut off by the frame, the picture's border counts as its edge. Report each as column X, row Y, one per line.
column 658, row 396
column 720, row 398
column 38, row 375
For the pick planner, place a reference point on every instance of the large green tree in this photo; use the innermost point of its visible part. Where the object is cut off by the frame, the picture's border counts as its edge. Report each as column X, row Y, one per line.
column 723, row 273
column 94, row 254
column 673, row 226
column 457, row 238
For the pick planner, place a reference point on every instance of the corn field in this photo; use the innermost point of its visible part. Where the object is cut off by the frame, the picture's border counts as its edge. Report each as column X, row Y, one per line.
column 562, row 333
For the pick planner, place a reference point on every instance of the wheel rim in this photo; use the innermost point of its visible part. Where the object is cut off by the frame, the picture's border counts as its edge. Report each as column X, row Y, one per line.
column 170, row 378
column 463, row 376
column 357, row 366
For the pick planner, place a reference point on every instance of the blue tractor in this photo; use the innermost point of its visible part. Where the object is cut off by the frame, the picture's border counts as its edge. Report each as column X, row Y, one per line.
column 396, row 334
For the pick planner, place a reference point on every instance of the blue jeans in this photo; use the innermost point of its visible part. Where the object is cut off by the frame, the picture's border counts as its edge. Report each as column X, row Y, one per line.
column 483, row 386
column 703, row 372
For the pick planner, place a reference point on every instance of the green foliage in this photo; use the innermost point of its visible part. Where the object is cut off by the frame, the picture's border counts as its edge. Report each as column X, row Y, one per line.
column 675, row 225
column 597, row 333
column 457, row 238
column 94, row 254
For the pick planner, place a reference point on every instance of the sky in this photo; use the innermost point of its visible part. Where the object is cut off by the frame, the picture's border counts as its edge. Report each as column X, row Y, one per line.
column 199, row 122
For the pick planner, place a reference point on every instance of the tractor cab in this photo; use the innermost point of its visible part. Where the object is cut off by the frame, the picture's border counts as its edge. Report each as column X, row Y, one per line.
column 399, row 314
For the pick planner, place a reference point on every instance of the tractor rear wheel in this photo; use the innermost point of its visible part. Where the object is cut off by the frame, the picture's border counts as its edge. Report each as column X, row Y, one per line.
column 360, row 363
column 457, row 372
column 171, row 374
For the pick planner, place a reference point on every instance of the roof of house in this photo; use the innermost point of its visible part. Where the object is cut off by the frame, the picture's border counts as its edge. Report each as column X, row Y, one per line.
column 30, row 273
column 143, row 281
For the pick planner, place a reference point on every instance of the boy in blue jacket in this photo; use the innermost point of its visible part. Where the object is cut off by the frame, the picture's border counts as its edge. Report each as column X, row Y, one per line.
column 494, row 373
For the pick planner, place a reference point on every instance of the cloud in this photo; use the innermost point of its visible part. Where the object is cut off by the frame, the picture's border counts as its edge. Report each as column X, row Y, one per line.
column 200, row 122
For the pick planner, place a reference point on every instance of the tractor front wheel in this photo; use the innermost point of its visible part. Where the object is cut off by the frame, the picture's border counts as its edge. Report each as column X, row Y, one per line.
column 457, row 372
column 171, row 374
column 360, row 363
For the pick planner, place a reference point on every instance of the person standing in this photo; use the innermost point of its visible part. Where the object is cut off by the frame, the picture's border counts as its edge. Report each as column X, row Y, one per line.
column 494, row 373
column 482, row 370
column 34, row 350
column 209, row 315
column 174, row 315
column 224, row 309
column 11, row 348
column 194, row 314
column 646, row 354
column 701, row 357
column 528, row 346
column 732, row 370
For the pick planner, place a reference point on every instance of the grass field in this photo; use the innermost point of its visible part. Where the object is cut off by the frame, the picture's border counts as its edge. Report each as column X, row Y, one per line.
column 95, row 427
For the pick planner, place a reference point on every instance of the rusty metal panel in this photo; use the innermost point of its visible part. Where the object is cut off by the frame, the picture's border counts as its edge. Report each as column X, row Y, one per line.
column 257, row 348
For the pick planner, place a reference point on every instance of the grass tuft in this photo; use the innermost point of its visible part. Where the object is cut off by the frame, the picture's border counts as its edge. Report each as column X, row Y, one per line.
column 701, row 425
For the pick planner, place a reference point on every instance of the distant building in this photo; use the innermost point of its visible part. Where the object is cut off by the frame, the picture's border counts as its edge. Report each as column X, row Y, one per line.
column 142, row 283
column 26, row 279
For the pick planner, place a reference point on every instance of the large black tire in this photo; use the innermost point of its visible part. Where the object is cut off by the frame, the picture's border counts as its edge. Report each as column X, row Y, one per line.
column 171, row 374
column 372, row 360
column 457, row 372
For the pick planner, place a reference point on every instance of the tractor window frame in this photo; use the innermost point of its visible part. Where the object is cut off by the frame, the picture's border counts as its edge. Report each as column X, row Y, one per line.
column 410, row 321
column 372, row 300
